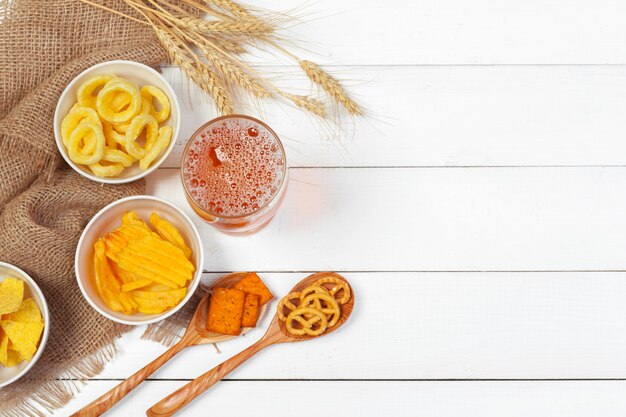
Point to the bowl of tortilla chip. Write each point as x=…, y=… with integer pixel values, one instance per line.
x=24, y=323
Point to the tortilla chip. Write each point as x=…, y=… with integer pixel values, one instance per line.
x=251, y=310
x=8, y=356
x=11, y=295
x=13, y=358
x=28, y=311
x=24, y=337
x=225, y=311
x=251, y=283
x=4, y=347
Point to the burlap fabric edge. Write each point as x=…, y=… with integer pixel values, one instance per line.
x=43, y=204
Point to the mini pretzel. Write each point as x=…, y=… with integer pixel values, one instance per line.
x=76, y=115
x=331, y=309
x=165, y=135
x=85, y=96
x=313, y=326
x=79, y=141
x=286, y=302
x=339, y=285
x=107, y=94
x=149, y=92
x=134, y=130
x=313, y=289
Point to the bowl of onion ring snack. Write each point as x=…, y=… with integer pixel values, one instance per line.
x=117, y=122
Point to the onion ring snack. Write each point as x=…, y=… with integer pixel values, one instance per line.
x=139, y=123
x=76, y=115
x=106, y=95
x=149, y=92
x=84, y=95
x=79, y=141
x=104, y=128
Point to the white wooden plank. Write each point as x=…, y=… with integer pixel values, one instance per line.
x=435, y=326
x=424, y=399
x=453, y=116
x=429, y=220
x=461, y=32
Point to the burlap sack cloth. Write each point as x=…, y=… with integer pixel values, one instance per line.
x=44, y=205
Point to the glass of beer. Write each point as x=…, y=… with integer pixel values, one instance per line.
x=234, y=173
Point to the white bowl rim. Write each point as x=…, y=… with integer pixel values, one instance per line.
x=46, y=320
x=192, y=286
x=57, y=124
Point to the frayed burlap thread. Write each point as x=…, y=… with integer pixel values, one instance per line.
x=44, y=205
x=170, y=331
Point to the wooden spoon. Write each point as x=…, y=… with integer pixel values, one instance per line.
x=276, y=333
x=195, y=334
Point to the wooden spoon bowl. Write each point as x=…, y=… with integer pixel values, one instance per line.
x=346, y=309
x=276, y=333
x=195, y=334
x=200, y=317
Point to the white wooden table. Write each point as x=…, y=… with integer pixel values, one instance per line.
x=480, y=214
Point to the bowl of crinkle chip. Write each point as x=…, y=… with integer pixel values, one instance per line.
x=24, y=323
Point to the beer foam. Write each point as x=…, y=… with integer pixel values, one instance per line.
x=233, y=167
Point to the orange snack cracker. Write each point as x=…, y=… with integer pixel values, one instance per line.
x=226, y=311
x=251, y=310
x=252, y=284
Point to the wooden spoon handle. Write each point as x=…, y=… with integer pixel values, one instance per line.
x=178, y=399
x=108, y=400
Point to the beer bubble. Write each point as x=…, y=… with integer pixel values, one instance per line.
x=248, y=175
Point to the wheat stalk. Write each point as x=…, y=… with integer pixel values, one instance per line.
x=227, y=45
x=214, y=64
x=310, y=104
x=215, y=27
x=331, y=85
x=234, y=72
x=237, y=10
x=197, y=72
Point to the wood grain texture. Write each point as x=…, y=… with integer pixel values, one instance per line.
x=429, y=32
x=449, y=83
x=275, y=334
x=430, y=220
x=451, y=116
x=380, y=398
x=453, y=326
x=195, y=334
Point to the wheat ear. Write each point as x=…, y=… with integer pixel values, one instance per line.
x=331, y=85
x=234, y=73
x=233, y=8
x=253, y=28
x=226, y=44
x=196, y=71
x=310, y=104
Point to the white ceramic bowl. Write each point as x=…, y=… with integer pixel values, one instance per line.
x=110, y=218
x=137, y=73
x=31, y=289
